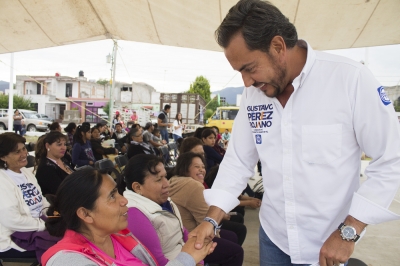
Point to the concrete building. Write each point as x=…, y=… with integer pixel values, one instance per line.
x=51, y=95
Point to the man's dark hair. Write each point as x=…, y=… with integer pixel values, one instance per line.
x=259, y=22
x=166, y=107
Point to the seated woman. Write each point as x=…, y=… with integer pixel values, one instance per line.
x=137, y=146
x=98, y=150
x=186, y=191
x=21, y=199
x=91, y=216
x=212, y=157
x=82, y=153
x=51, y=167
x=152, y=217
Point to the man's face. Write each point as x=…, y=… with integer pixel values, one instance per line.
x=118, y=128
x=265, y=71
x=167, y=111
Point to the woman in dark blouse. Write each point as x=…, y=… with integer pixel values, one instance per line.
x=51, y=167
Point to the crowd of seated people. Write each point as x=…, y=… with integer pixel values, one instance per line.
x=160, y=212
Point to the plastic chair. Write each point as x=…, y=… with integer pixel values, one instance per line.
x=108, y=165
x=121, y=161
x=83, y=167
x=173, y=149
x=356, y=262
x=33, y=261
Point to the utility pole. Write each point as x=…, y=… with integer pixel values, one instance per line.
x=11, y=95
x=113, y=66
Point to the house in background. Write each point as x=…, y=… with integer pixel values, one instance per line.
x=51, y=95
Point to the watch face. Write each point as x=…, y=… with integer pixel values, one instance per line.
x=348, y=232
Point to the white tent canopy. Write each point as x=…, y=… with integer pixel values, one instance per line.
x=326, y=24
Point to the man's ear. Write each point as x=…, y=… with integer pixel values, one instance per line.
x=278, y=46
x=84, y=215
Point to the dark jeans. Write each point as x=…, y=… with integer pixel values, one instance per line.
x=13, y=253
x=227, y=252
x=238, y=228
x=18, y=128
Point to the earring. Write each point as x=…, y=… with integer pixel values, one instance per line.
x=48, y=149
x=5, y=165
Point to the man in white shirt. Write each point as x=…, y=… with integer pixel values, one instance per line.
x=307, y=115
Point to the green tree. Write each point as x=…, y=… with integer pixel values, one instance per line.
x=213, y=104
x=201, y=85
x=19, y=102
x=106, y=108
x=103, y=82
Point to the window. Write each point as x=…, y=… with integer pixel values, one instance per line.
x=38, y=88
x=68, y=90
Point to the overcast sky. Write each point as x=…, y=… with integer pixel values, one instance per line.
x=166, y=68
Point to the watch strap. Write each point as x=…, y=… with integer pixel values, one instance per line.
x=356, y=236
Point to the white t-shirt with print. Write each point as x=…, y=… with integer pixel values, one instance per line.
x=177, y=131
x=31, y=195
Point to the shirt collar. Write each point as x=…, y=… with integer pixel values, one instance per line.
x=299, y=80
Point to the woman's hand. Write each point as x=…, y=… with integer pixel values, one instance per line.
x=255, y=203
x=198, y=254
x=90, y=162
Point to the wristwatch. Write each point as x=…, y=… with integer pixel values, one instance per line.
x=348, y=232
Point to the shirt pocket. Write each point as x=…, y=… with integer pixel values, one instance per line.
x=321, y=144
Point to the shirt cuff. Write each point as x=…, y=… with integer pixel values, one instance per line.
x=221, y=199
x=369, y=212
x=184, y=258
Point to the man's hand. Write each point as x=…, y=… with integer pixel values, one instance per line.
x=335, y=250
x=203, y=232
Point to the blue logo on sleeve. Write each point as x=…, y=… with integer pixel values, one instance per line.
x=383, y=96
x=258, y=139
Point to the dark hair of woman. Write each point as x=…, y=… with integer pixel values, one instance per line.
x=184, y=161
x=211, y=175
x=216, y=128
x=94, y=128
x=188, y=144
x=207, y=132
x=179, y=120
x=259, y=22
x=49, y=138
x=9, y=143
x=54, y=126
x=71, y=126
x=79, y=189
x=78, y=138
x=199, y=131
x=139, y=166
